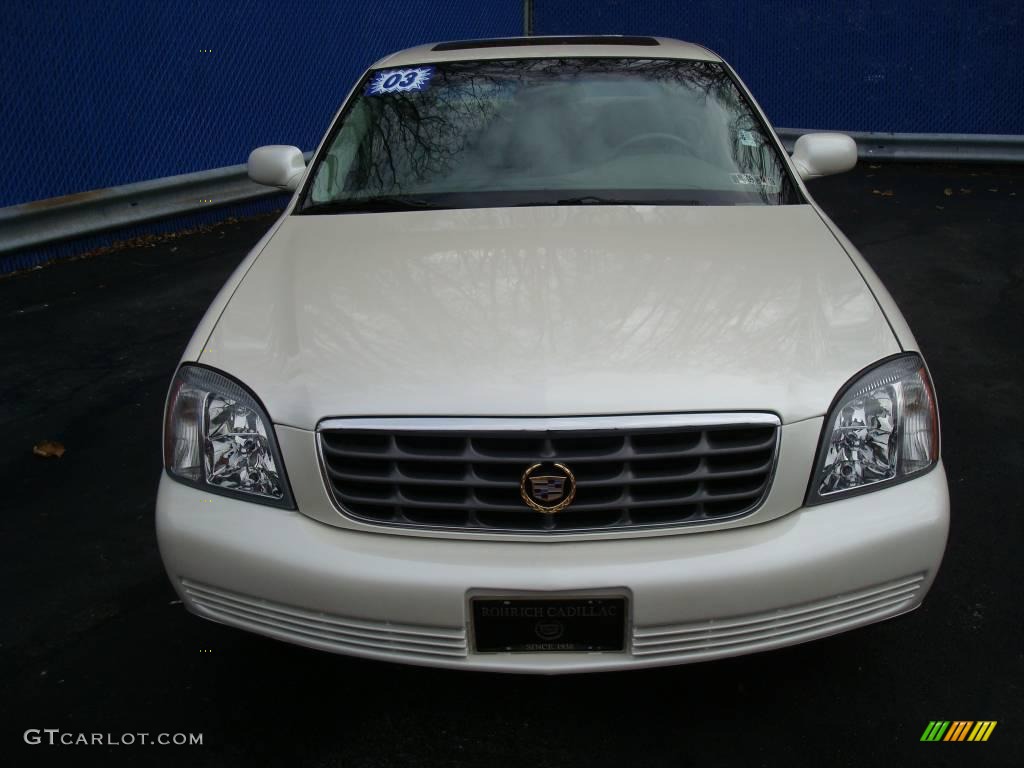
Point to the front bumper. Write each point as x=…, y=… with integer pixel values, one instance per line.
x=692, y=596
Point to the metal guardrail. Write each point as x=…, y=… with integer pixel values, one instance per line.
x=927, y=147
x=57, y=219
x=45, y=222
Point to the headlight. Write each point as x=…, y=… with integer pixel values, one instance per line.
x=218, y=437
x=882, y=429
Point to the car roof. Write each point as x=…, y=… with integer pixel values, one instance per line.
x=574, y=46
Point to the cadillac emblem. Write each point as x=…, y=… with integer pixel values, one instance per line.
x=548, y=488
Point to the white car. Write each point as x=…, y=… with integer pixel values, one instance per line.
x=552, y=365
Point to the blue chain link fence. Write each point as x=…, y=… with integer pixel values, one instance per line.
x=103, y=92
x=911, y=66
x=97, y=93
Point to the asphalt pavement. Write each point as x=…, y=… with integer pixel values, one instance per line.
x=92, y=639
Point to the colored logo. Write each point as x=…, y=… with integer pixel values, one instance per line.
x=547, y=488
x=959, y=730
x=550, y=492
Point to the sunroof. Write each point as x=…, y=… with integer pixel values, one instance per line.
x=510, y=42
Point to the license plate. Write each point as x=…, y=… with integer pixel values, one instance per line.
x=526, y=625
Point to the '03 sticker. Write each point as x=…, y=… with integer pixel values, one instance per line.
x=400, y=81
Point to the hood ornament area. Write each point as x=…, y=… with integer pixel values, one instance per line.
x=547, y=488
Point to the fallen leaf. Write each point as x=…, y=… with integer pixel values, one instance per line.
x=48, y=448
x=886, y=193
x=948, y=192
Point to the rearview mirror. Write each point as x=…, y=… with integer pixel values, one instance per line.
x=276, y=165
x=822, y=154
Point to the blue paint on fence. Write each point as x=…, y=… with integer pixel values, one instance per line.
x=103, y=92
x=98, y=93
x=928, y=66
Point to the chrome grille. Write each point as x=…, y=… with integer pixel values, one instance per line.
x=631, y=472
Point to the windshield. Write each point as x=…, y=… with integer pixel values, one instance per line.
x=547, y=132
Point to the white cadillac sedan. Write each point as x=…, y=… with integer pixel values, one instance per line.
x=552, y=365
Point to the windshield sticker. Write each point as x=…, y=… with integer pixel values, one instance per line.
x=749, y=178
x=400, y=81
x=748, y=139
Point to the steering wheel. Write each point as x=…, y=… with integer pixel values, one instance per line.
x=665, y=138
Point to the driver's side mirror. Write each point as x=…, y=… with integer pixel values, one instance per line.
x=276, y=165
x=822, y=154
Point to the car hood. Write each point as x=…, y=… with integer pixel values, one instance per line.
x=550, y=311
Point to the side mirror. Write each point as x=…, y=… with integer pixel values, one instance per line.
x=822, y=154
x=276, y=165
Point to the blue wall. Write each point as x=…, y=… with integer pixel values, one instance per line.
x=102, y=92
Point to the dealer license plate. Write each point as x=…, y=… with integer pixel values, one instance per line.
x=527, y=625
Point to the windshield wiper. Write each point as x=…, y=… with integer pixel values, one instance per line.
x=591, y=200
x=597, y=200
x=386, y=203
x=381, y=204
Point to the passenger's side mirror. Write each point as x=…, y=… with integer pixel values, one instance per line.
x=276, y=165
x=822, y=154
